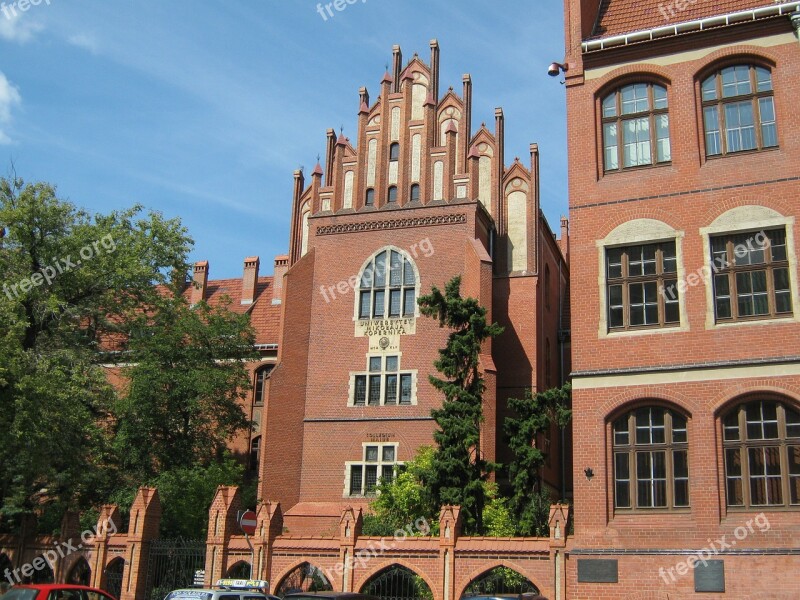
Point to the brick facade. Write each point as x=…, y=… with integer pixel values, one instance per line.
x=701, y=368
x=415, y=181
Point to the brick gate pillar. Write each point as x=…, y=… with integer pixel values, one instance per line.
x=269, y=519
x=221, y=526
x=449, y=531
x=559, y=521
x=143, y=529
x=349, y=530
x=107, y=524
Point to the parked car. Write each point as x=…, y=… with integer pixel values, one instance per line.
x=55, y=591
x=328, y=596
x=225, y=589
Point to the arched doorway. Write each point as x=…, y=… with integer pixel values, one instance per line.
x=80, y=573
x=500, y=580
x=304, y=578
x=240, y=570
x=43, y=575
x=397, y=583
x=112, y=577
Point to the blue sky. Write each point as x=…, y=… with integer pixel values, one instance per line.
x=202, y=109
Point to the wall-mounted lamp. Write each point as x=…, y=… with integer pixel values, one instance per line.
x=555, y=68
x=589, y=473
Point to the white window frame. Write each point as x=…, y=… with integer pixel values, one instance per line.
x=369, y=261
x=348, y=465
x=743, y=219
x=634, y=233
x=351, y=397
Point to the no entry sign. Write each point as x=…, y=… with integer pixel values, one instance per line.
x=247, y=522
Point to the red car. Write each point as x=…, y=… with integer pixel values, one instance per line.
x=55, y=591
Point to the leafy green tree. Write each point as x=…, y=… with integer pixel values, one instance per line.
x=182, y=395
x=459, y=470
x=404, y=499
x=497, y=518
x=186, y=494
x=69, y=280
x=536, y=413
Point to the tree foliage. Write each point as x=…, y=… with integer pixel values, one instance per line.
x=73, y=286
x=536, y=413
x=459, y=470
x=181, y=393
x=404, y=499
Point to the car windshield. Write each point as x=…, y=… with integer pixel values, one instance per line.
x=20, y=594
x=187, y=595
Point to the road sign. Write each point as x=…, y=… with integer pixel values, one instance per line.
x=247, y=522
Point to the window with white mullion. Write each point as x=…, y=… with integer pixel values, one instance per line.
x=383, y=384
x=388, y=287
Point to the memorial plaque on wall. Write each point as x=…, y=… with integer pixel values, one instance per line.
x=709, y=577
x=595, y=570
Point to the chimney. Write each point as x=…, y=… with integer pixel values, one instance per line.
x=281, y=267
x=200, y=280
x=250, y=279
x=564, y=241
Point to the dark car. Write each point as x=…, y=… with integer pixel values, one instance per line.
x=55, y=591
x=328, y=596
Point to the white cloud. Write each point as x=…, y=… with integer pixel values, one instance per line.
x=9, y=97
x=16, y=26
x=81, y=40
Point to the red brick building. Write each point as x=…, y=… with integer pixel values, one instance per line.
x=415, y=198
x=684, y=171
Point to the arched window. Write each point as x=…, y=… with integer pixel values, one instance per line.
x=260, y=389
x=369, y=200
x=388, y=287
x=255, y=453
x=761, y=439
x=394, y=152
x=547, y=287
x=392, y=196
x=651, y=468
x=635, y=126
x=738, y=110
x=414, y=192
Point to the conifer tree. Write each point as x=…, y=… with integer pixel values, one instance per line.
x=459, y=470
x=536, y=413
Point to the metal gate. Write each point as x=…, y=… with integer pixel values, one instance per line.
x=398, y=583
x=112, y=578
x=500, y=580
x=171, y=564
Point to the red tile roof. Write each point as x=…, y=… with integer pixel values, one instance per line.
x=264, y=315
x=624, y=16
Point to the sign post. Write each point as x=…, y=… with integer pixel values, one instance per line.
x=248, y=523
